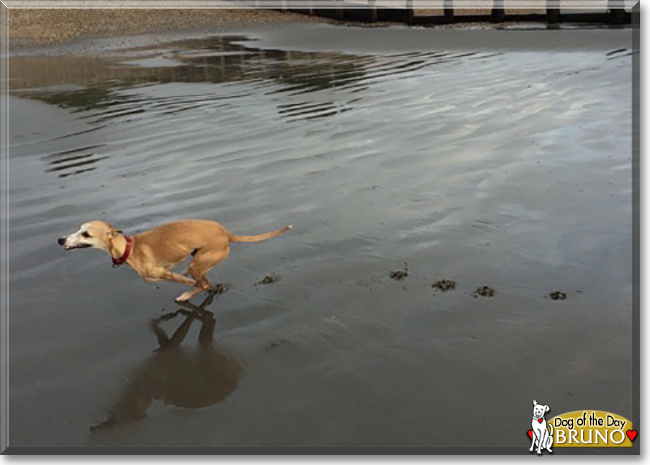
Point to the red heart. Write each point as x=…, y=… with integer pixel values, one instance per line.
x=540, y=420
x=530, y=433
x=631, y=433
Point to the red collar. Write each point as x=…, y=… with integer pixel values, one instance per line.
x=127, y=251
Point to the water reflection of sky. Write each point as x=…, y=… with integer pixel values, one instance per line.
x=307, y=86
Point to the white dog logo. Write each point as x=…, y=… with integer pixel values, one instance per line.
x=540, y=436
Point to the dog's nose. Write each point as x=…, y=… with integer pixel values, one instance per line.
x=61, y=240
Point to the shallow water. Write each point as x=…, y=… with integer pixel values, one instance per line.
x=487, y=165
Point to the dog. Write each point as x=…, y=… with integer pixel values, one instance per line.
x=541, y=436
x=153, y=253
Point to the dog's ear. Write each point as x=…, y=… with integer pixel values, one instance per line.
x=534, y=402
x=547, y=408
x=113, y=231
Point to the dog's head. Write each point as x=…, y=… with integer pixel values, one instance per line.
x=539, y=410
x=95, y=234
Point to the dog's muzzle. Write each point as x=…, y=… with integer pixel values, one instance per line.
x=61, y=241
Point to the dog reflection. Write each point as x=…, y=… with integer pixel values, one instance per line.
x=176, y=375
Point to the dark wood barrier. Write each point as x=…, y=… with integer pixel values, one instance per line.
x=369, y=12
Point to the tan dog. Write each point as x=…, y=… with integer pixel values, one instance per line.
x=153, y=253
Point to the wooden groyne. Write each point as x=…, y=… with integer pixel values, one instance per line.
x=370, y=12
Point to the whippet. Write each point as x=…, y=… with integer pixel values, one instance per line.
x=153, y=253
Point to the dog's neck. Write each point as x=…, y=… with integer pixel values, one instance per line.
x=116, y=247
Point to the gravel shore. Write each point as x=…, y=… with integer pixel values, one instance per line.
x=51, y=26
x=38, y=27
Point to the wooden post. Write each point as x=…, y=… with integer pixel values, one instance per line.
x=373, y=10
x=553, y=11
x=616, y=15
x=448, y=6
x=409, y=12
x=498, y=12
x=340, y=12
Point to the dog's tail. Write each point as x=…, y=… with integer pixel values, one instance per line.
x=551, y=433
x=261, y=237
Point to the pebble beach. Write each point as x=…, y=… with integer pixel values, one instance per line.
x=42, y=27
x=38, y=27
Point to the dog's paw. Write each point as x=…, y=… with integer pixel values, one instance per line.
x=184, y=297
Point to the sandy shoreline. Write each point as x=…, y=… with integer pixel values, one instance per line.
x=45, y=27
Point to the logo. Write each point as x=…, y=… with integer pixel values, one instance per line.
x=540, y=435
x=582, y=428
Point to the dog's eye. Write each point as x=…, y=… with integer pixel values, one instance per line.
x=85, y=234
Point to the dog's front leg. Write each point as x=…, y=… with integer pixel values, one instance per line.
x=171, y=276
x=161, y=274
x=548, y=440
x=542, y=439
x=185, y=296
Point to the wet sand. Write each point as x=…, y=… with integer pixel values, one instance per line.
x=401, y=171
